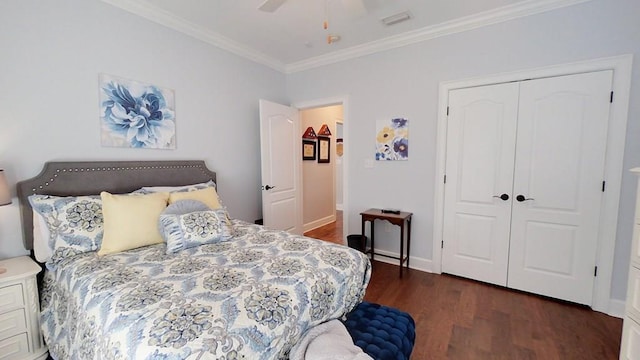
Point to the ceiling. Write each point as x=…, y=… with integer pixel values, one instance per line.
x=292, y=38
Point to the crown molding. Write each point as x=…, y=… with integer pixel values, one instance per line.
x=502, y=14
x=165, y=18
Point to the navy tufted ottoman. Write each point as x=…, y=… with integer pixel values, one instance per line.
x=381, y=331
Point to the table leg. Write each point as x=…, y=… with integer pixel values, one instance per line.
x=408, y=240
x=362, y=234
x=401, y=246
x=372, y=237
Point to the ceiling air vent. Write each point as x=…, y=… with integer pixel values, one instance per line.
x=397, y=18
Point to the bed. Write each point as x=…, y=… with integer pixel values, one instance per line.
x=252, y=293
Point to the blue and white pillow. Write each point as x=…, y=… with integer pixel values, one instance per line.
x=179, y=208
x=75, y=223
x=184, y=231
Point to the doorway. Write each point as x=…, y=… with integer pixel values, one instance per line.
x=322, y=179
x=281, y=136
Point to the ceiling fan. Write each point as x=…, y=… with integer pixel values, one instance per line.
x=352, y=7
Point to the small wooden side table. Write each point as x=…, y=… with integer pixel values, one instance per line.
x=396, y=219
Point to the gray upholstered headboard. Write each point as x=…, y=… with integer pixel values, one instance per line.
x=92, y=177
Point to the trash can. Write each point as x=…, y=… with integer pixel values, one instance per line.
x=357, y=241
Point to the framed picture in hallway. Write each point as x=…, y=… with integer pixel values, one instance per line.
x=308, y=149
x=324, y=144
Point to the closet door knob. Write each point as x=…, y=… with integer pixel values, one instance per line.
x=504, y=197
x=521, y=198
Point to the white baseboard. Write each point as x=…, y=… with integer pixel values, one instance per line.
x=415, y=263
x=318, y=223
x=616, y=308
x=339, y=207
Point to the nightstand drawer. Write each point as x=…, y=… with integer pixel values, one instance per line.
x=15, y=347
x=633, y=298
x=12, y=323
x=11, y=298
x=635, y=248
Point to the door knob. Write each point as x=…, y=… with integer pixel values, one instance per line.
x=521, y=198
x=504, y=197
x=268, y=187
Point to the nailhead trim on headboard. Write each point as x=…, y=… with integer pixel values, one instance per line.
x=163, y=167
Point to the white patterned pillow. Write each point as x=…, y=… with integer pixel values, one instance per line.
x=179, y=208
x=205, y=192
x=170, y=189
x=75, y=223
x=184, y=231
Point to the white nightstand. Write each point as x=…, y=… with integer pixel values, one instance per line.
x=20, y=336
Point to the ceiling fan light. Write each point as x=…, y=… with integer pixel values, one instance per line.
x=332, y=38
x=397, y=18
x=271, y=5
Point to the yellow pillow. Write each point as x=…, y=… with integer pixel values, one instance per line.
x=209, y=196
x=131, y=221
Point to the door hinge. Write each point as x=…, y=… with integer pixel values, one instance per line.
x=445, y=178
x=447, y=111
x=611, y=98
x=603, y=185
x=442, y=244
x=595, y=271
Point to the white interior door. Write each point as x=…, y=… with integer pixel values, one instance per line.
x=560, y=157
x=481, y=137
x=280, y=141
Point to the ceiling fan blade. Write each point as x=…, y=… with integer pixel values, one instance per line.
x=354, y=8
x=271, y=5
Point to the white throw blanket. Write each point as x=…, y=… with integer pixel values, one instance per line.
x=327, y=341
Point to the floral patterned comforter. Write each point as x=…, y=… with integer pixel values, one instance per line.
x=252, y=297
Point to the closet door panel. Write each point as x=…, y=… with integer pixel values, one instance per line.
x=560, y=154
x=480, y=141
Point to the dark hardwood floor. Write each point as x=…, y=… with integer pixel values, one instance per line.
x=458, y=318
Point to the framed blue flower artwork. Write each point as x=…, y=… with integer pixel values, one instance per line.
x=392, y=139
x=136, y=115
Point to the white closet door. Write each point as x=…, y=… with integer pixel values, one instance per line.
x=481, y=134
x=560, y=156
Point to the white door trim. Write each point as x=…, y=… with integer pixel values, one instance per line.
x=344, y=101
x=621, y=66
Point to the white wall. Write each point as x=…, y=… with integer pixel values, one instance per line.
x=52, y=53
x=404, y=83
x=318, y=179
